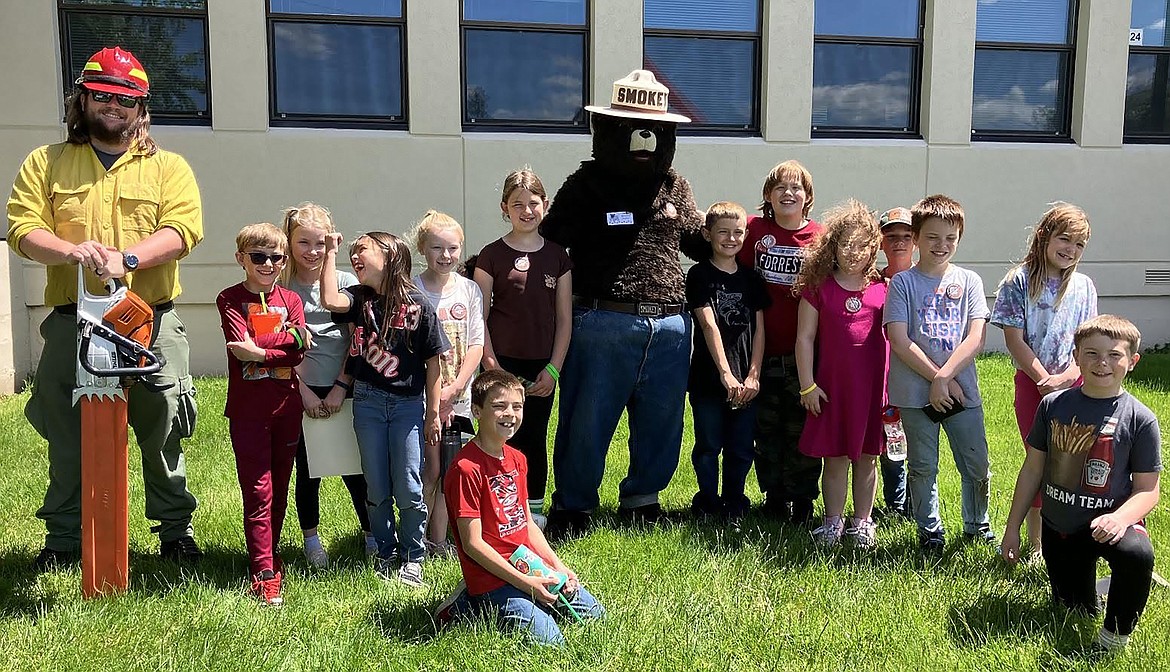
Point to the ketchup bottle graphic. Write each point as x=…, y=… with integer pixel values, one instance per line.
x=1099, y=463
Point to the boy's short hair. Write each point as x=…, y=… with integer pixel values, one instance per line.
x=938, y=205
x=792, y=170
x=724, y=210
x=489, y=381
x=1112, y=326
x=260, y=235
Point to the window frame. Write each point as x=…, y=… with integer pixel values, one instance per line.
x=756, y=37
x=67, y=7
x=517, y=125
x=360, y=121
x=1069, y=48
x=918, y=47
x=1162, y=52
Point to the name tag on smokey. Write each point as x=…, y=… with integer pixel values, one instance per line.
x=619, y=218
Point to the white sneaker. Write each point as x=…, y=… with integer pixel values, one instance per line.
x=829, y=533
x=316, y=555
x=411, y=573
x=862, y=532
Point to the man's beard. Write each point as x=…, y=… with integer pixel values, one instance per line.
x=100, y=130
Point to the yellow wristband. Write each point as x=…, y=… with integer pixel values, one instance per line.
x=808, y=389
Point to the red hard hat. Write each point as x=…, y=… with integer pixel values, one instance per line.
x=114, y=70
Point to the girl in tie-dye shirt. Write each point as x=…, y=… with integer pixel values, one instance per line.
x=1039, y=305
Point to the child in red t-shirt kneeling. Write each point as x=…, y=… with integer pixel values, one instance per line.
x=487, y=497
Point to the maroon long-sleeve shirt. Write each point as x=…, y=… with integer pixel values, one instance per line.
x=268, y=388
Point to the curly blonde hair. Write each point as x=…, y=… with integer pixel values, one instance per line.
x=844, y=222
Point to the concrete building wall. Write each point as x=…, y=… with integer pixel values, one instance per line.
x=386, y=179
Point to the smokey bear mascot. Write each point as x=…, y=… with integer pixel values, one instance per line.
x=624, y=217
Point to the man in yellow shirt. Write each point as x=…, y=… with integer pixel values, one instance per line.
x=110, y=200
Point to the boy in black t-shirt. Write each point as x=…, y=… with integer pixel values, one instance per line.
x=1095, y=452
x=728, y=302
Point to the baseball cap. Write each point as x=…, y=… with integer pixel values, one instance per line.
x=895, y=216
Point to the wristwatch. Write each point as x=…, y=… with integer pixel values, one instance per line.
x=130, y=261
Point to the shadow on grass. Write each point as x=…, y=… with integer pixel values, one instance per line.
x=404, y=623
x=1022, y=614
x=19, y=596
x=220, y=568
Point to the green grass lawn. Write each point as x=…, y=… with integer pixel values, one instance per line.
x=684, y=596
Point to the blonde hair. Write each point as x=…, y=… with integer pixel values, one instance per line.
x=724, y=210
x=787, y=170
x=261, y=235
x=433, y=221
x=944, y=207
x=841, y=223
x=310, y=216
x=1112, y=326
x=1060, y=218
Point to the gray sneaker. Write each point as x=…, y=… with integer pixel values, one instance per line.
x=862, y=532
x=316, y=556
x=386, y=568
x=829, y=533
x=411, y=574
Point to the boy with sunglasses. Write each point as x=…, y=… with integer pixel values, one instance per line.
x=110, y=200
x=264, y=326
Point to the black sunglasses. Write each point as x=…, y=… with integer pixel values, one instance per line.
x=129, y=102
x=259, y=258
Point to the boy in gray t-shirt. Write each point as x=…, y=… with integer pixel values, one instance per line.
x=936, y=316
x=1094, y=454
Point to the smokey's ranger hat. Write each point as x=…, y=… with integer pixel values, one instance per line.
x=639, y=96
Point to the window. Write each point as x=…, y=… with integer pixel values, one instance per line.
x=1023, y=69
x=337, y=63
x=169, y=38
x=1147, y=94
x=867, y=65
x=707, y=52
x=525, y=64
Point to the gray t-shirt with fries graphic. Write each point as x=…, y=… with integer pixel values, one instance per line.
x=1093, y=446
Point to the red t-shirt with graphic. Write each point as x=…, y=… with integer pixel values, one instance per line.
x=493, y=489
x=777, y=254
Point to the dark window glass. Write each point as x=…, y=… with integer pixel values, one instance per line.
x=1020, y=91
x=172, y=50
x=385, y=8
x=686, y=65
x=166, y=4
x=863, y=86
x=1150, y=16
x=1147, y=89
x=558, y=12
x=722, y=15
x=867, y=18
x=1023, y=21
x=707, y=52
x=866, y=67
x=524, y=76
x=337, y=70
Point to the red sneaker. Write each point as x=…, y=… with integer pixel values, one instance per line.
x=266, y=587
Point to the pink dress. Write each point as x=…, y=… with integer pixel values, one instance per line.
x=851, y=357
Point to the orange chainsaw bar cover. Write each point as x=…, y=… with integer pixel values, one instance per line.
x=104, y=497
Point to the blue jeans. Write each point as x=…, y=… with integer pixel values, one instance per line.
x=620, y=362
x=968, y=440
x=388, y=427
x=514, y=609
x=894, y=484
x=719, y=428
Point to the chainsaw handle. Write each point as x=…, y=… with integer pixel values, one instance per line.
x=89, y=329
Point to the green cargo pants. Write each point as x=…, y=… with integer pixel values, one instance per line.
x=161, y=411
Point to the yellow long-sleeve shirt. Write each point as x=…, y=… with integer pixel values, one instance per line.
x=64, y=189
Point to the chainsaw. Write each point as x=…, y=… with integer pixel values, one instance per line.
x=114, y=335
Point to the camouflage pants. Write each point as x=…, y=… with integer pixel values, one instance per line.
x=784, y=473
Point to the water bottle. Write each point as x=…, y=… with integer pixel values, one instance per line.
x=451, y=442
x=895, y=435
